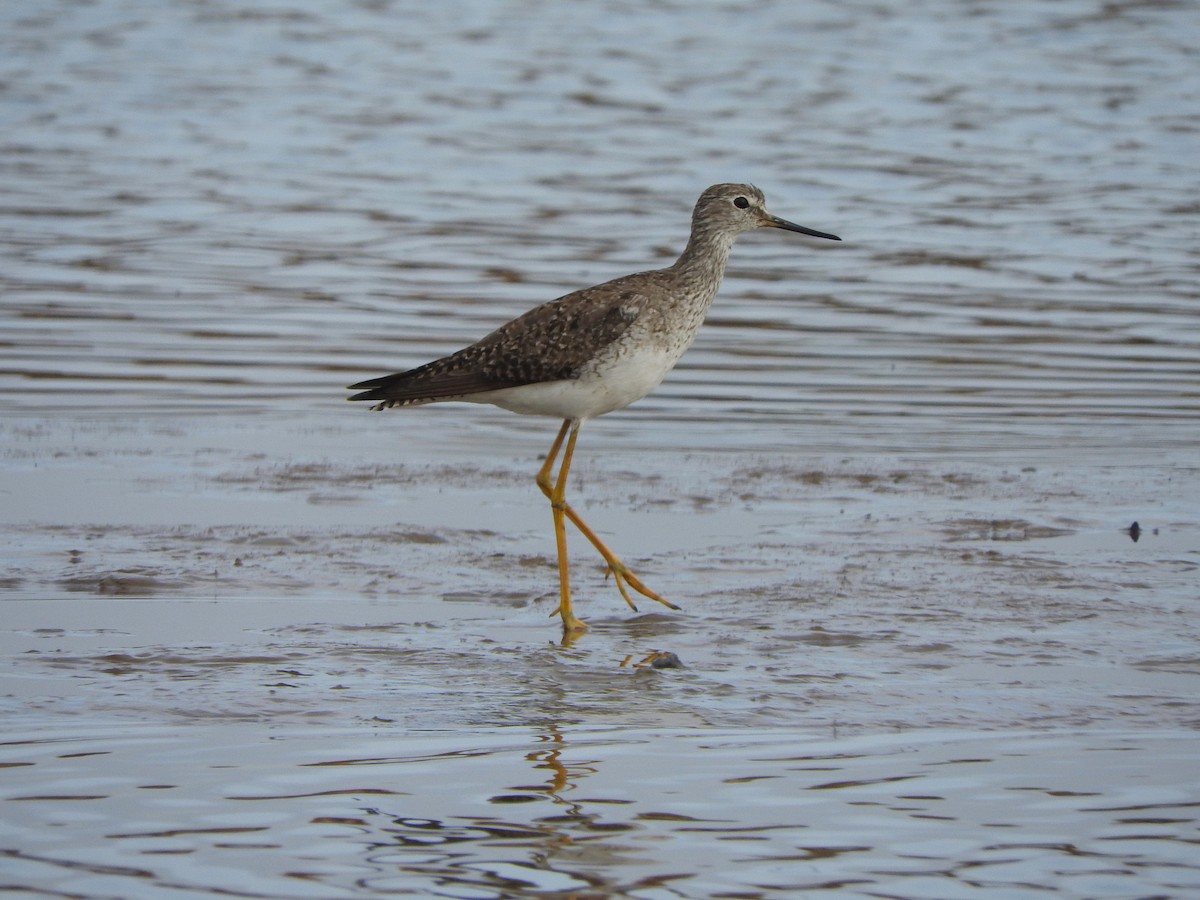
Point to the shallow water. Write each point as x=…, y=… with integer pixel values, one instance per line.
x=635, y=812
x=356, y=189
x=262, y=643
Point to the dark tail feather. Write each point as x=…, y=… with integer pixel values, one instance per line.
x=422, y=385
x=375, y=388
x=389, y=390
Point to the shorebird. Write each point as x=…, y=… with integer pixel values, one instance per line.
x=591, y=352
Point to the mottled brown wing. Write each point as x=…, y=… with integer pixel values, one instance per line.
x=551, y=342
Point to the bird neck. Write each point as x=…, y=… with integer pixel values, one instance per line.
x=702, y=263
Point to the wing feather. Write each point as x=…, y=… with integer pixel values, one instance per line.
x=551, y=342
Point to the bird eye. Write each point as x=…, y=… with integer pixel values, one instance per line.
x=741, y=202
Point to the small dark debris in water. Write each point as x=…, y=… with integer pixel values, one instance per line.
x=1134, y=531
x=655, y=659
x=666, y=661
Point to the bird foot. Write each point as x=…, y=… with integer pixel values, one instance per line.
x=572, y=625
x=623, y=576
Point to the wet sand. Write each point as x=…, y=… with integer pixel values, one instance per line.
x=848, y=593
x=230, y=668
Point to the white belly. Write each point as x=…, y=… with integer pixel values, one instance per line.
x=608, y=385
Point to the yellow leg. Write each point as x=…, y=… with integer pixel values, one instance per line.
x=621, y=573
x=556, y=493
